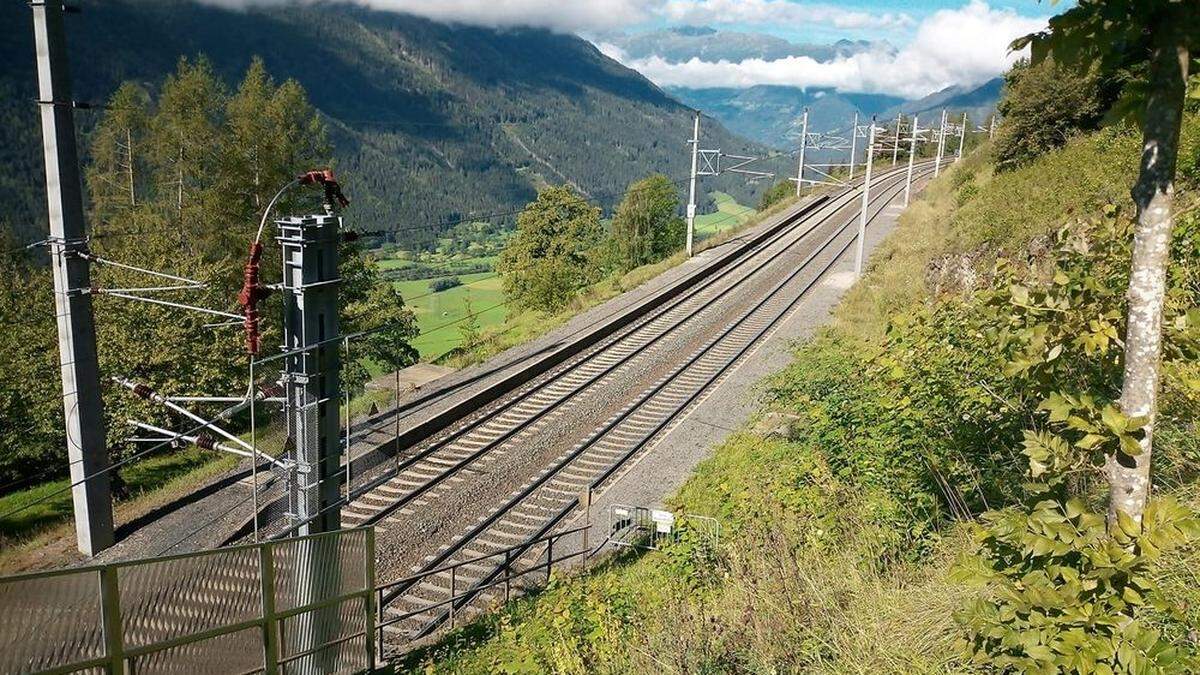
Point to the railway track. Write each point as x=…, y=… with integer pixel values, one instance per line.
x=492, y=439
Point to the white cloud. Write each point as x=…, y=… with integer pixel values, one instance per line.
x=775, y=12
x=967, y=46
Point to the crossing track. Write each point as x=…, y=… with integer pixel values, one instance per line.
x=444, y=482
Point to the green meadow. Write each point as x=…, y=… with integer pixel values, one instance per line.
x=441, y=315
x=729, y=215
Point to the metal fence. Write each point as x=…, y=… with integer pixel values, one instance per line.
x=513, y=570
x=301, y=605
x=641, y=527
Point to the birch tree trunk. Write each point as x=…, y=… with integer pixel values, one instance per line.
x=1129, y=477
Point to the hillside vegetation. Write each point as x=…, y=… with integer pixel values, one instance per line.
x=851, y=509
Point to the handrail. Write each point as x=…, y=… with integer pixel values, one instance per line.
x=447, y=567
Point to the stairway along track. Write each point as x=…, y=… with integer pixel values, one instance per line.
x=455, y=494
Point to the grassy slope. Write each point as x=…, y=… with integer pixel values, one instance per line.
x=802, y=584
x=438, y=314
x=729, y=214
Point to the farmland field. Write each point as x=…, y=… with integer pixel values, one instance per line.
x=439, y=314
x=730, y=214
x=436, y=312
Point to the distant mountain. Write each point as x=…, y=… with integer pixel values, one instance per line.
x=978, y=102
x=682, y=44
x=431, y=122
x=771, y=114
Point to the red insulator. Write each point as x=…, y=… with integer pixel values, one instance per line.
x=251, y=294
x=333, y=190
x=142, y=390
x=204, y=441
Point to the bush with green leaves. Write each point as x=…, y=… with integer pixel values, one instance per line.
x=1061, y=591
x=444, y=284
x=646, y=227
x=554, y=252
x=775, y=194
x=1063, y=594
x=1044, y=106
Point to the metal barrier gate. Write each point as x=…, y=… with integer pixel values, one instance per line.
x=301, y=605
x=641, y=527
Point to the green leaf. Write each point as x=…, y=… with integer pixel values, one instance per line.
x=1130, y=445
x=1114, y=419
x=1020, y=294
x=1127, y=524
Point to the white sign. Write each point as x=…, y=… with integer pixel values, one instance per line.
x=663, y=521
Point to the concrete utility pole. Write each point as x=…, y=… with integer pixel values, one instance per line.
x=962, y=135
x=91, y=493
x=912, y=155
x=691, y=207
x=896, y=142
x=803, y=146
x=853, y=144
x=937, y=167
x=866, y=201
x=992, y=127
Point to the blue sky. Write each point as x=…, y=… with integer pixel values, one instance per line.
x=918, y=10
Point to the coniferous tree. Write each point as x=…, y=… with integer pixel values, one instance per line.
x=116, y=175
x=225, y=153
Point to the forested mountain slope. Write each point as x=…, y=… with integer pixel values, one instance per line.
x=429, y=122
x=978, y=102
x=772, y=114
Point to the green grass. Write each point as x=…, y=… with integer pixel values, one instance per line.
x=140, y=478
x=435, y=310
x=437, y=313
x=437, y=261
x=729, y=215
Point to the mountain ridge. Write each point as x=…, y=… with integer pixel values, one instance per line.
x=414, y=107
x=979, y=102
x=771, y=114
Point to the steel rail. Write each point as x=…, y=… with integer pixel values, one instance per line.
x=520, y=394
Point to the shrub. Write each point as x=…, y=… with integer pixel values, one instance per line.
x=444, y=284
x=1043, y=107
x=775, y=194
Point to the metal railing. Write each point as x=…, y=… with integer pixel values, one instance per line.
x=302, y=605
x=506, y=573
x=632, y=526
